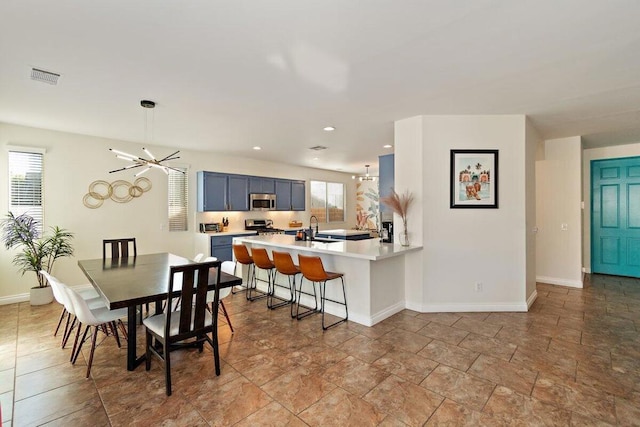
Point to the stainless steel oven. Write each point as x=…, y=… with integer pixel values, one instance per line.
x=262, y=202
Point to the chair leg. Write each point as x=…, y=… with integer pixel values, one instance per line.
x=292, y=286
x=252, y=285
x=114, y=329
x=315, y=298
x=68, y=329
x=226, y=315
x=214, y=344
x=74, y=356
x=64, y=311
x=167, y=367
x=323, y=292
x=147, y=361
x=93, y=349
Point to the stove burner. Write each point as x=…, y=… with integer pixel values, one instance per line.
x=262, y=226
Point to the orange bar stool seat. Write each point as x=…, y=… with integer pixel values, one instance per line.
x=313, y=270
x=285, y=266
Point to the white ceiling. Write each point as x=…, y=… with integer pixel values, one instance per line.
x=229, y=75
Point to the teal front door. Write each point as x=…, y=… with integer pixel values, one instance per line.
x=615, y=216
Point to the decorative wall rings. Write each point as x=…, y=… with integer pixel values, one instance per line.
x=96, y=195
x=119, y=191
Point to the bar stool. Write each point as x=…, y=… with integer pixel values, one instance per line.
x=261, y=260
x=241, y=253
x=313, y=270
x=284, y=265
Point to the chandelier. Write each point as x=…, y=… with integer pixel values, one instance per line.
x=366, y=176
x=138, y=161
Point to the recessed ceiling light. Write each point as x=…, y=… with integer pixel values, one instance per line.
x=387, y=146
x=329, y=128
x=316, y=158
x=257, y=148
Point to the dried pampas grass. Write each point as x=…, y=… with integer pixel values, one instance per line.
x=399, y=204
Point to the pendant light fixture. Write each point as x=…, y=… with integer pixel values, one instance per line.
x=152, y=162
x=366, y=176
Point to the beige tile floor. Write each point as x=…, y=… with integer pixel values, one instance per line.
x=574, y=359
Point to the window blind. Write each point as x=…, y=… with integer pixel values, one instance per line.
x=178, y=201
x=25, y=185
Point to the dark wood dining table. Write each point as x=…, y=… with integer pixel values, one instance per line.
x=130, y=282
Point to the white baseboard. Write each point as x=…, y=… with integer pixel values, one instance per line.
x=532, y=298
x=466, y=307
x=12, y=299
x=586, y=270
x=560, y=281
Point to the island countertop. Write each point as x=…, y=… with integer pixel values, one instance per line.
x=370, y=249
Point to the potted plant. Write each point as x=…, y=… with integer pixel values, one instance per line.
x=400, y=205
x=36, y=252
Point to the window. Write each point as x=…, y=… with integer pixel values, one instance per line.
x=178, y=201
x=327, y=201
x=25, y=183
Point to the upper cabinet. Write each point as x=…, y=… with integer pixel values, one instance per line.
x=261, y=185
x=222, y=192
x=386, y=183
x=298, y=196
x=283, y=195
x=290, y=195
x=230, y=192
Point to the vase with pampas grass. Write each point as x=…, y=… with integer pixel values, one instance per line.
x=400, y=205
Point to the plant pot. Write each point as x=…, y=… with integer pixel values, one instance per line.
x=40, y=296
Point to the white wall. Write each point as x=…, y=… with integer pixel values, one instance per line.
x=73, y=161
x=466, y=246
x=532, y=146
x=618, y=151
x=558, y=200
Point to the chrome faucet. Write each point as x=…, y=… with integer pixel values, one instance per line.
x=311, y=233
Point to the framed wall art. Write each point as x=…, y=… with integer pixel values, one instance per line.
x=474, y=179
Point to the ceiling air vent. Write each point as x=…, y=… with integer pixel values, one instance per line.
x=44, y=76
x=318, y=148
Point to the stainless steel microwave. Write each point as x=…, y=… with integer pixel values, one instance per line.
x=262, y=202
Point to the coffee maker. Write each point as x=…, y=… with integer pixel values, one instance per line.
x=387, y=231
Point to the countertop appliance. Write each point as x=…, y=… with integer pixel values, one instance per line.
x=262, y=202
x=262, y=226
x=387, y=231
x=210, y=227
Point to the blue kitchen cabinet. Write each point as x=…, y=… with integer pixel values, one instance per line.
x=212, y=191
x=222, y=246
x=260, y=185
x=283, y=195
x=238, y=195
x=386, y=173
x=219, y=192
x=298, y=196
x=290, y=195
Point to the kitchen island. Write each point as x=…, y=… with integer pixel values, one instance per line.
x=373, y=272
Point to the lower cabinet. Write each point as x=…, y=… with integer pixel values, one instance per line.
x=221, y=246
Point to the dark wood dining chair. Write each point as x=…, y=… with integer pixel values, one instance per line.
x=119, y=248
x=190, y=324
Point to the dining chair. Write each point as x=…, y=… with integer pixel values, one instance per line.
x=101, y=319
x=171, y=329
x=60, y=295
x=313, y=270
x=119, y=248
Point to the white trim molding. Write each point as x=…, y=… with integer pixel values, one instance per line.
x=12, y=299
x=532, y=298
x=559, y=281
